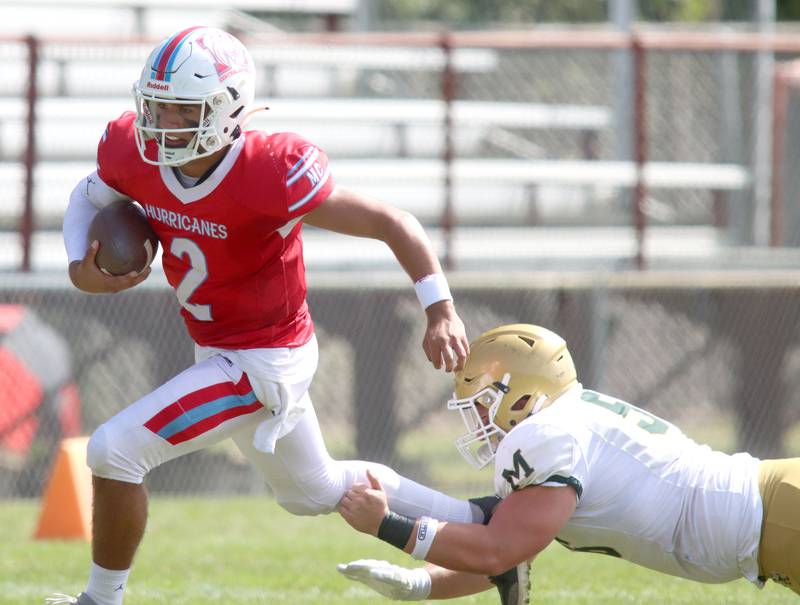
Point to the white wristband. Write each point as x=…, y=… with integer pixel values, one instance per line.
x=426, y=532
x=431, y=289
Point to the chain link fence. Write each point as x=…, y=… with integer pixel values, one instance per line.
x=538, y=126
x=717, y=356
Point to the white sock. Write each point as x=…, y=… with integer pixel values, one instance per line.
x=410, y=498
x=107, y=586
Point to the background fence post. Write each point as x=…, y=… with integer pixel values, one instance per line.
x=639, y=145
x=448, y=95
x=29, y=160
x=780, y=100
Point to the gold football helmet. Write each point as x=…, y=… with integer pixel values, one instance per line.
x=512, y=372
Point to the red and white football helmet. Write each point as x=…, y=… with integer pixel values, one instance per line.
x=197, y=66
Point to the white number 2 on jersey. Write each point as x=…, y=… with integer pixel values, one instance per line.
x=196, y=275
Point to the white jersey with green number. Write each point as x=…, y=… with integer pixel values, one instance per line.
x=646, y=492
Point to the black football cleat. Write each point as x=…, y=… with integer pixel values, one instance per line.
x=514, y=585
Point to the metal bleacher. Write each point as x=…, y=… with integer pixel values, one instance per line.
x=389, y=147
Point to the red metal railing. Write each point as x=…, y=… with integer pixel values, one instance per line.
x=638, y=43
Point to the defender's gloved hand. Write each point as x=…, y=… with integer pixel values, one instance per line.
x=392, y=581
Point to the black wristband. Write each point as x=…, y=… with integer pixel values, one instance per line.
x=396, y=529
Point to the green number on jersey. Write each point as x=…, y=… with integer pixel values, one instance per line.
x=644, y=420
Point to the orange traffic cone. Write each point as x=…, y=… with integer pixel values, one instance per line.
x=67, y=505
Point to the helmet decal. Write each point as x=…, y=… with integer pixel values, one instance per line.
x=162, y=66
x=227, y=61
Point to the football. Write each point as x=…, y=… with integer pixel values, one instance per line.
x=127, y=241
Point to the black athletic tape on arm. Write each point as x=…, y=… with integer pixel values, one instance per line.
x=396, y=529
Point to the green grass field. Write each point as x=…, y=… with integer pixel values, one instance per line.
x=249, y=551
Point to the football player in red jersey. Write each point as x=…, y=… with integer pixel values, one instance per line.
x=228, y=205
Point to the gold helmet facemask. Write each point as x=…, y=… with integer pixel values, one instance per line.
x=512, y=372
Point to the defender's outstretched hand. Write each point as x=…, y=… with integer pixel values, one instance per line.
x=392, y=581
x=365, y=506
x=445, y=342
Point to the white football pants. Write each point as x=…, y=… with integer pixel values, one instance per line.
x=213, y=400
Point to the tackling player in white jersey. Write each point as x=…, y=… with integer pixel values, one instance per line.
x=591, y=472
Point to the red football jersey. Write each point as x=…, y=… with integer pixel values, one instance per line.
x=231, y=244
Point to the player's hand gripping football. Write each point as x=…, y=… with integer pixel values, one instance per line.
x=87, y=276
x=445, y=341
x=364, y=506
x=392, y=581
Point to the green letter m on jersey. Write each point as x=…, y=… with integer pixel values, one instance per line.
x=520, y=466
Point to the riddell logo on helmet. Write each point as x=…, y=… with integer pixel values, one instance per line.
x=157, y=86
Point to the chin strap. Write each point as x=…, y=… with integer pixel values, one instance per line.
x=542, y=399
x=249, y=115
